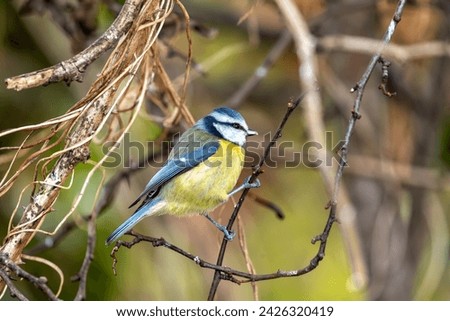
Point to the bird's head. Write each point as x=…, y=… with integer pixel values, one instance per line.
x=227, y=124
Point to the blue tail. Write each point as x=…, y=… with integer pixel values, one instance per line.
x=144, y=211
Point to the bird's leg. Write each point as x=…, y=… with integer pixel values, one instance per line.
x=246, y=184
x=229, y=235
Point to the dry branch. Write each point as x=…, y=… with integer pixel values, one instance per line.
x=7, y=264
x=73, y=68
x=274, y=54
x=399, y=53
x=93, y=112
x=359, y=88
x=42, y=201
x=257, y=170
x=398, y=172
x=313, y=111
x=226, y=273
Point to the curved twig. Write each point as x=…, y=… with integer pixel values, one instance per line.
x=38, y=282
x=97, y=106
x=73, y=68
x=292, y=105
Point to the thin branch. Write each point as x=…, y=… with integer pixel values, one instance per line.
x=92, y=233
x=235, y=276
x=82, y=274
x=38, y=282
x=108, y=194
x=292, y=105
x=396, y=52
x=78, y=20
x=359, y=88
x=73, y=68
x=97, y=107
x=224, y=272
x=15, y=292
x=400, y=173
x=342, y=98
x=268, y=204
x=261, y=71
x=248, y=261
x=385, y=77
x=313, y=110
x=51, y=265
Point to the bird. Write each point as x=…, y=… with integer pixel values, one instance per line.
x=200, y=173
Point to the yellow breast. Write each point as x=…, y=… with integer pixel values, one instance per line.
x=207, y=185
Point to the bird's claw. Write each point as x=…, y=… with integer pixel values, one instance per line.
x=254, y=184
x=229, y=235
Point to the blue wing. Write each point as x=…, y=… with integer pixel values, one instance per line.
x=176, y=166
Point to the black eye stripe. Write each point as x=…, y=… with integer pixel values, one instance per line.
x=234, y=125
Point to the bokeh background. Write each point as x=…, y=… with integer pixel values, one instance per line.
x=397, y=177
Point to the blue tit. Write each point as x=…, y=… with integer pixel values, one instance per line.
x=200, y=172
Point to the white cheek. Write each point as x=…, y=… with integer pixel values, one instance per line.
x=236, y=136
x=241, y=138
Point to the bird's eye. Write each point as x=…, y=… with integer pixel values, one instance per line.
x=237, y=126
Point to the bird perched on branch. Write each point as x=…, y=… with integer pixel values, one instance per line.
x=200, y=173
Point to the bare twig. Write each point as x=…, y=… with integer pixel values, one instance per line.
x=268, y=204
x=274, y=54
x=78, y=20
x=38, y=282
x=398, y=53
x=385, y=77
x=95, y=109
x=108, y=193
x=402, y=173
x=225, y=273
x=50, y=265
x=313, y=110
x=292, y=105
x=248, y=261
x=15, y=292
x=89, y=256
x=342, y=98
x=235, y=276
x=73, y=68
x=42, y=201
x=359, y=88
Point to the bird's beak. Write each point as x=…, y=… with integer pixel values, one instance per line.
x=251, y=132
